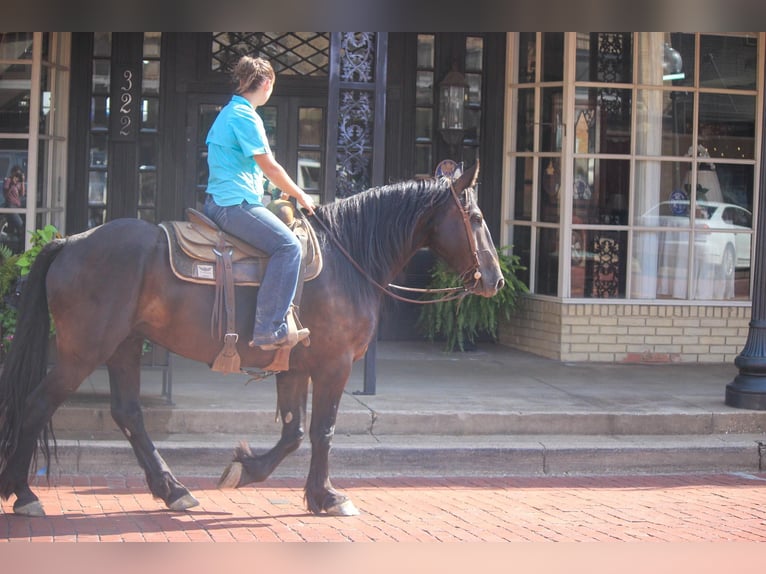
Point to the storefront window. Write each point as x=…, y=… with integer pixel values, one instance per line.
x=700, y=206
x=658, y=168
x=149, y=137
x=32, y=133
x=99, y=126
x=15, y=92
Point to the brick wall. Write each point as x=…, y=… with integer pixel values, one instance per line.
x=635, y=333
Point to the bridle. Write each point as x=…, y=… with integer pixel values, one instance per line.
x=450, y=293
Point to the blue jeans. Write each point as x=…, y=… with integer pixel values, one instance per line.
x=259, y=227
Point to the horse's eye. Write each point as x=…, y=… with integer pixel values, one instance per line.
x=477, y=218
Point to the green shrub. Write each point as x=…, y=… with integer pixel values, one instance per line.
x=461, y=321
x=12, y=267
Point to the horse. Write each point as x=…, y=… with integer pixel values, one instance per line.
x=110, y=288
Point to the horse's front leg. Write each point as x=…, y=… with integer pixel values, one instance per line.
x=246, y=468
x=327, y=390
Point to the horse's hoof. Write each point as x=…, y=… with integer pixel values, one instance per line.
x=345, y=508
x=231, y=476
x=185, y=502
x=33, y=508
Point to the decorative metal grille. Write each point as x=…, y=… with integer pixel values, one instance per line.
x=613, y=50
x=355, y=127
x=606, y=267
x=356, y=119
x=292, y=53
x=357, y=57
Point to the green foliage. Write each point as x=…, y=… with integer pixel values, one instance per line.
x=463, y=320
x=9, y=272
x=39, y=238
x=12, y=267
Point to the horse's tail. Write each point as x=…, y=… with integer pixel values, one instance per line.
x=26, y=363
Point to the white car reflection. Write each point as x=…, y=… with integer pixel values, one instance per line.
x=727, y=245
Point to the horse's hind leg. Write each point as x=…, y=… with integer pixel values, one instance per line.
x=292, y=394
x=125, y=381
x=54, y=388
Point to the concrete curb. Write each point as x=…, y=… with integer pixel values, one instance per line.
x=523, y=455
x=168, y=421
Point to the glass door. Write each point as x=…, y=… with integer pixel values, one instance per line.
x=124, y=128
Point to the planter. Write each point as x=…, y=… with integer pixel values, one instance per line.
x=462, y=323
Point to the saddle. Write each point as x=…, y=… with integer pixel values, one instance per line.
x=194, y=246
x=200, y=252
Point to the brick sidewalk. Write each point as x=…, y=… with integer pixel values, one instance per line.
x=673, y=508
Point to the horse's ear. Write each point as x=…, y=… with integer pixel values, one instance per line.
x=469, y=177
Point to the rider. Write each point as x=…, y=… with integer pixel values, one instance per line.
x=239, y=157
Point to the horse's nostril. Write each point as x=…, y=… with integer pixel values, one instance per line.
x=500, y=283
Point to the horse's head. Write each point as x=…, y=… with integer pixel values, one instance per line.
x=461, y=237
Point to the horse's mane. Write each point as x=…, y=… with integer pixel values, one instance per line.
x=377, y=227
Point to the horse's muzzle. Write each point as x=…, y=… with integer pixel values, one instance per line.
x=484, y=288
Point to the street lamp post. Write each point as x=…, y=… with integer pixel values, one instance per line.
x=748, y=389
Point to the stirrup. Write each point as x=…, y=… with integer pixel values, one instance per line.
x=289, y=341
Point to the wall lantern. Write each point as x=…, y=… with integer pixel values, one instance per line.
x=452, y=92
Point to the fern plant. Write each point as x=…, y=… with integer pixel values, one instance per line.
x=461, y=321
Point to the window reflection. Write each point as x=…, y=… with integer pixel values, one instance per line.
x=553, y=56
x=674, y=218
x=527, y=62
x=664, y=122
x=548, y=261
x=525, y=120
x=15, y=91
x=523, y=196
x=727, y=125
x=600, y=191
x=603, y=120
x=605, y=57
x=728, y=62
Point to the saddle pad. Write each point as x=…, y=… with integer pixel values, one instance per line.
x=192, y=256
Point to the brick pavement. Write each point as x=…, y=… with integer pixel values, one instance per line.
x=671, y=508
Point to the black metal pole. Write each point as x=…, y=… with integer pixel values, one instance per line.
x=370, y=376
x=748, y=389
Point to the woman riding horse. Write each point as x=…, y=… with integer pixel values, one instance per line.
x=110, y=288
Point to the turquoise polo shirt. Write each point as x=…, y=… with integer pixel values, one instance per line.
x=237, y=134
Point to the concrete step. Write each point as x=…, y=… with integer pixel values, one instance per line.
x=162, y=421
x=424, y=455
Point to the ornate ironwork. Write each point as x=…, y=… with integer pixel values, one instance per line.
x=355, y=128
x=356, y=118
x=606, y=267
x=357, y=57
x=613, y=50
x=292, y=53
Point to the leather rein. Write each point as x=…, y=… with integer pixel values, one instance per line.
x=451, y=293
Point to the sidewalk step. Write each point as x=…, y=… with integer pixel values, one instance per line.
x=167, y=420
x=418, y=455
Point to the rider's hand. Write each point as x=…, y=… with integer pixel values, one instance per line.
x=307, y=203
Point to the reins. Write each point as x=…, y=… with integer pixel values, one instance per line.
x=453, y=292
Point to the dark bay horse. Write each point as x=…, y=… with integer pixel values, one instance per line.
x=111, y=287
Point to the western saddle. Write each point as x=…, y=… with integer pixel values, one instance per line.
x=200, y=252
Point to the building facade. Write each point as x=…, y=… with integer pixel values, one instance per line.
x=596, y=149
x=631, y=171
